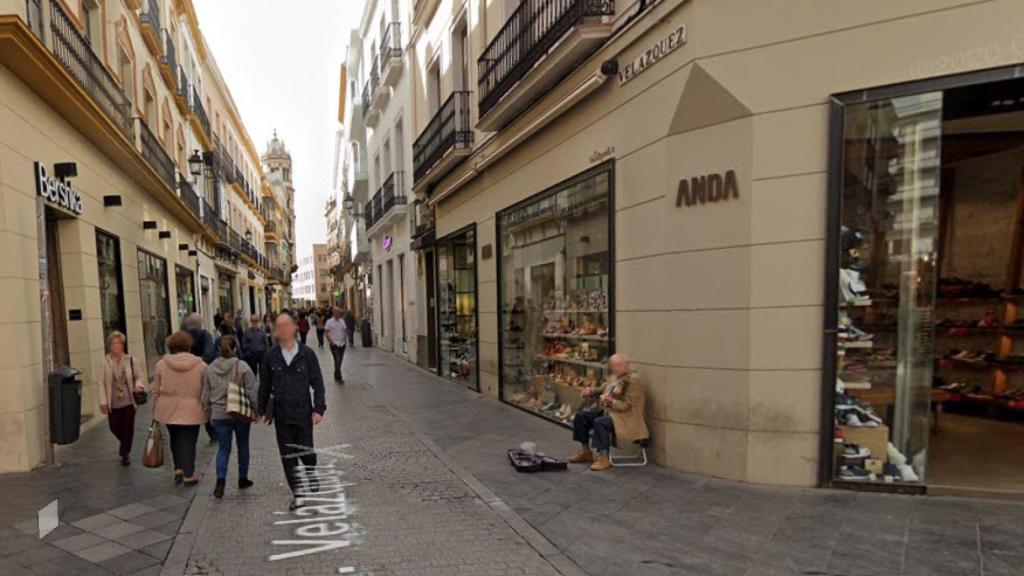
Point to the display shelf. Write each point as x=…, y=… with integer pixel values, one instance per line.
x=585, y=363
x=586, y=337
x=575, y=311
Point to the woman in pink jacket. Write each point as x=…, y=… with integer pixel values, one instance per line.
x=120, y=380
x=177, y=403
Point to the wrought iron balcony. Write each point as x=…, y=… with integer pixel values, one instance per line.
x=150, y=28
x=155, y=155
x=169, y=59
x=182, y=88
x=391, y=54
x=188, y=196
x=235, y=239
x=196, y=106
x=448, y=130
x=366, y=98
x=74, y=52
x=390, y=195
x=533, y=29
x=210, y=219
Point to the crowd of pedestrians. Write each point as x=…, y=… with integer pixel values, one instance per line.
x=266, y=368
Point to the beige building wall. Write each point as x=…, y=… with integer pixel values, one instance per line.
x=720, y=305
x=32, y=132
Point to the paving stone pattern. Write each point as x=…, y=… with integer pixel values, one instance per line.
x=652, y=521
x=412, y=514
x=113, y=519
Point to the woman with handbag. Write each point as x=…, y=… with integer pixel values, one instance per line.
x=177, y=403
x=121, y=389
x=229, y=396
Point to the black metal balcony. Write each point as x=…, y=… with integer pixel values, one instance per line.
x=183, y=88
x=155, y=155
x=210, y=218
x=74, y=52
x=196, y=106
x=188, y=196
x=532, y=30
x=150, y=15
x=235, y=239
x=449, y=129
x=391, y=43
x=169, y=56
x=391, y=194
x=366, y=98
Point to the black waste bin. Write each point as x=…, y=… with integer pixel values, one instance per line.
x=367, y=331
x=65, y=405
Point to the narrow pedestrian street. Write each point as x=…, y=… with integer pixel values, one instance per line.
x=426, y=490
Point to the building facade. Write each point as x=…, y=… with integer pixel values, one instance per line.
x=311, y=282
x=123, y=212
x=278, y=205
x=773, y=212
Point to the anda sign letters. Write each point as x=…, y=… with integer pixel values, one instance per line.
x=707, y=188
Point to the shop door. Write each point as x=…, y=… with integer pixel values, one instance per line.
x=431, y=310
x=58, y=318
x=252, y=300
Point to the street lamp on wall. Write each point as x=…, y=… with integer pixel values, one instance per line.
x=195, y=163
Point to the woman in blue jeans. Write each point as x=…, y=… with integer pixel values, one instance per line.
x=224, y=371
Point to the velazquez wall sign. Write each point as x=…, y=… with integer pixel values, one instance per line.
x=659, y=50
x=716, y=187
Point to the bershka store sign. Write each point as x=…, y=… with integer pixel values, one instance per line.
x=661, y=48
x=708, y=188
x=58, y=193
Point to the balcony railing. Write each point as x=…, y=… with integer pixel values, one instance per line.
x=150, y=15
x=183, y=89
x=391, y=43
x=367, y=94
x=34, y=13
x=169, y=57
x=196, y=105
x=532, y=30
x=391, y=194
x=189, y=196
x=449, y=128
x=78, y=58
x=210, y=218
x=155, y=154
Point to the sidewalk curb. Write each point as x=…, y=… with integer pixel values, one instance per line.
x=547, y=550
x=176, y=563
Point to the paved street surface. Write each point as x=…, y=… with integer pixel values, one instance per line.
x=414, y=480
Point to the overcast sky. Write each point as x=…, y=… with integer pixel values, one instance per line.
x=281, y=60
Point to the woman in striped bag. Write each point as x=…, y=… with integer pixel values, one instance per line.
x=229, y=395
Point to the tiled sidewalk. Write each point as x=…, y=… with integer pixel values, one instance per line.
x=114, y=519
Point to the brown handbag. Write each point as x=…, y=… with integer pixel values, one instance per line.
x=153, y=455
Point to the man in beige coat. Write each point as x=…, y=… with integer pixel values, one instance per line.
x=619, y=412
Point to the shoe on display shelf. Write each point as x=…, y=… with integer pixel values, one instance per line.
x=852, y=289
x=853, y=451
x=855, y=473
x=907, y=473
x=895, y=456
x=844, y=402
x=891, y=472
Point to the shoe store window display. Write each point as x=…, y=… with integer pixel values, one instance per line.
x=613, y=415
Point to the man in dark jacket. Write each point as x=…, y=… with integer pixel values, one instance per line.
x=255, y=344
x=350, y=326
x=290, y=370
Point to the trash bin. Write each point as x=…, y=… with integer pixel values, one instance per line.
x=65, y=405
x=367, y=331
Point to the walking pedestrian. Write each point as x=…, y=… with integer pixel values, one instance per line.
x=119, y=384
x=218, y=317
x=350, y=325
x=177, y=403
x=238, y=324
x=337, y=336
x=202, y=341
x=289, y=372
x=255, y=344
x=303, y=327
x=228, y=370
x=320, y=324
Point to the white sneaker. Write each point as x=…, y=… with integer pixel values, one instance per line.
x=852, y=421
x=907, y=473
x=895, y=456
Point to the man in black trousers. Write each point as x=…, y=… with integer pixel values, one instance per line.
x=288, y=373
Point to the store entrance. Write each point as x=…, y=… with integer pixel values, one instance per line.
x=930, y=331
x=457, y=320
x=55, y=284
x=428, y=257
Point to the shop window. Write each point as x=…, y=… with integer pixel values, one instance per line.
x=156, y=307
x=185, y=282
x=926, y=280
x=555, y=295
x=108, y=257
x=457, y=314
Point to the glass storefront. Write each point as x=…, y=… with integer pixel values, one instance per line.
x=926, y=207
x=225, y=293
x=185, y=283
x=108, y=257
x=156, y=307
x=457, y=320
x=555, y=275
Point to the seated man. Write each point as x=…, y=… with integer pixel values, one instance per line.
x=619, y=411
